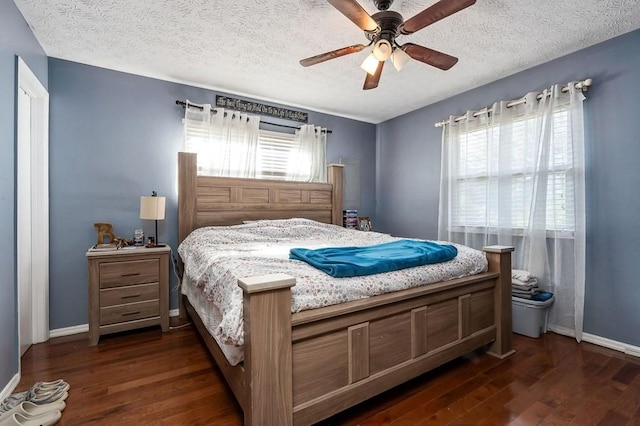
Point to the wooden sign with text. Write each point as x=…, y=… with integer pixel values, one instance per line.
x=261, y=109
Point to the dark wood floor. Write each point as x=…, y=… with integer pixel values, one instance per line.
x=147, y=377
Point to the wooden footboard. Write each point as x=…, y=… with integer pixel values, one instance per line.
x=301, y=368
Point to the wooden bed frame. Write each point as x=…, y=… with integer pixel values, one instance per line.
x=304, y=367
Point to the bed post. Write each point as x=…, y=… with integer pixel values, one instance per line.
x=187, y=187
x=268, y=365
x=499, y=258
x=336, y=177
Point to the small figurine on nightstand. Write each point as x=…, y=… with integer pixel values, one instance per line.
x=107, y=239
x=105, y=233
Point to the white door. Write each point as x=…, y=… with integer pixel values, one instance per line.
x=32, y=208
x=23, y=218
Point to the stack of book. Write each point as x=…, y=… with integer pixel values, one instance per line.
x=350, y=219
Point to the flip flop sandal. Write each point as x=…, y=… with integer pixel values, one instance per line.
x=54, y=383
x=48, y=397
x=13, y=400
x=50, y=386
x=29, y=409
x=40, y=391
x=45, y=419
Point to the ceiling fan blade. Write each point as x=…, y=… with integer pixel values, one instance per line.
x=430, y=56
x=434, y=13
x=352, y=10
x=371, y=82
x=331, y=55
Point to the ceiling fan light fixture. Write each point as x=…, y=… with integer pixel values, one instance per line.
x=399, y=58
x=382, y=49
x=370, y=64
x=381, y=30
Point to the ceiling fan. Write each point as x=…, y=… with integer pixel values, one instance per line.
x=382, y=28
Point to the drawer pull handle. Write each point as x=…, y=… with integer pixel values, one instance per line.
x=132, y=274
x=130, y=313
x=131, y=296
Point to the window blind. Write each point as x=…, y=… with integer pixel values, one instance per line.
x=275, y=151
x=475, y=187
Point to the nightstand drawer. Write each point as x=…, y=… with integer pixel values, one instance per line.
x=129, y=312
x=116, y=274
x=130, y=294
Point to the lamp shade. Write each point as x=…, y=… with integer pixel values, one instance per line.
x=370, y=64
x=399, y=58
x=152, y=208
x=382, y=50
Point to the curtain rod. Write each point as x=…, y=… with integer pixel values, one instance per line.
x=184, y=105
x=581, y=85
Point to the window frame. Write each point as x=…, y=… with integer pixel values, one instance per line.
x=565, y=168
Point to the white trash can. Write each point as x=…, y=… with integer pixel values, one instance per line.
x=530, y=317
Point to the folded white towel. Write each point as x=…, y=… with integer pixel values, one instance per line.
x=531, y=291
x=532, y=282
x=515, y=286
x=521, y=275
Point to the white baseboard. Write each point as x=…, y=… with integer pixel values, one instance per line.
x=625, y=348
x=68, y=331
x=83, y=328
x=612, y=344
x=8, y=390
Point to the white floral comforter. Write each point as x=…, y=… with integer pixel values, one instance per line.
x=215, y=257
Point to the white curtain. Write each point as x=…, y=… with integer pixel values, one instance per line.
x=226, y=141
x=308, y=161
x=514, y=175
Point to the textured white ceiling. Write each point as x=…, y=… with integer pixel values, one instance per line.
x=252, y=47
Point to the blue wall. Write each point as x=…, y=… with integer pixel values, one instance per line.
x=114, y=137
x=408, y=173
x=15, y=39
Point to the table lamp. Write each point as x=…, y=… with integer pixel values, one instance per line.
x=152, y=208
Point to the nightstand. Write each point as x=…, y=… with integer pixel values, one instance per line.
x=128, y=289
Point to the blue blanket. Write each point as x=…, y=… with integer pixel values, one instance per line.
x=341, y=262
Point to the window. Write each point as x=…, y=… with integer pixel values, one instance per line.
x=231, y=144
x=276, y=152
x=480, y=180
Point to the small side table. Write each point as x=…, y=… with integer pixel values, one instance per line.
x=128, y=289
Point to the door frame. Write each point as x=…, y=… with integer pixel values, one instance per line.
x=39, y=200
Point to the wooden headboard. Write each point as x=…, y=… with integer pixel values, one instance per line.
x=210, y=200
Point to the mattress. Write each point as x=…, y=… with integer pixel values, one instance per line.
x=216, y=257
